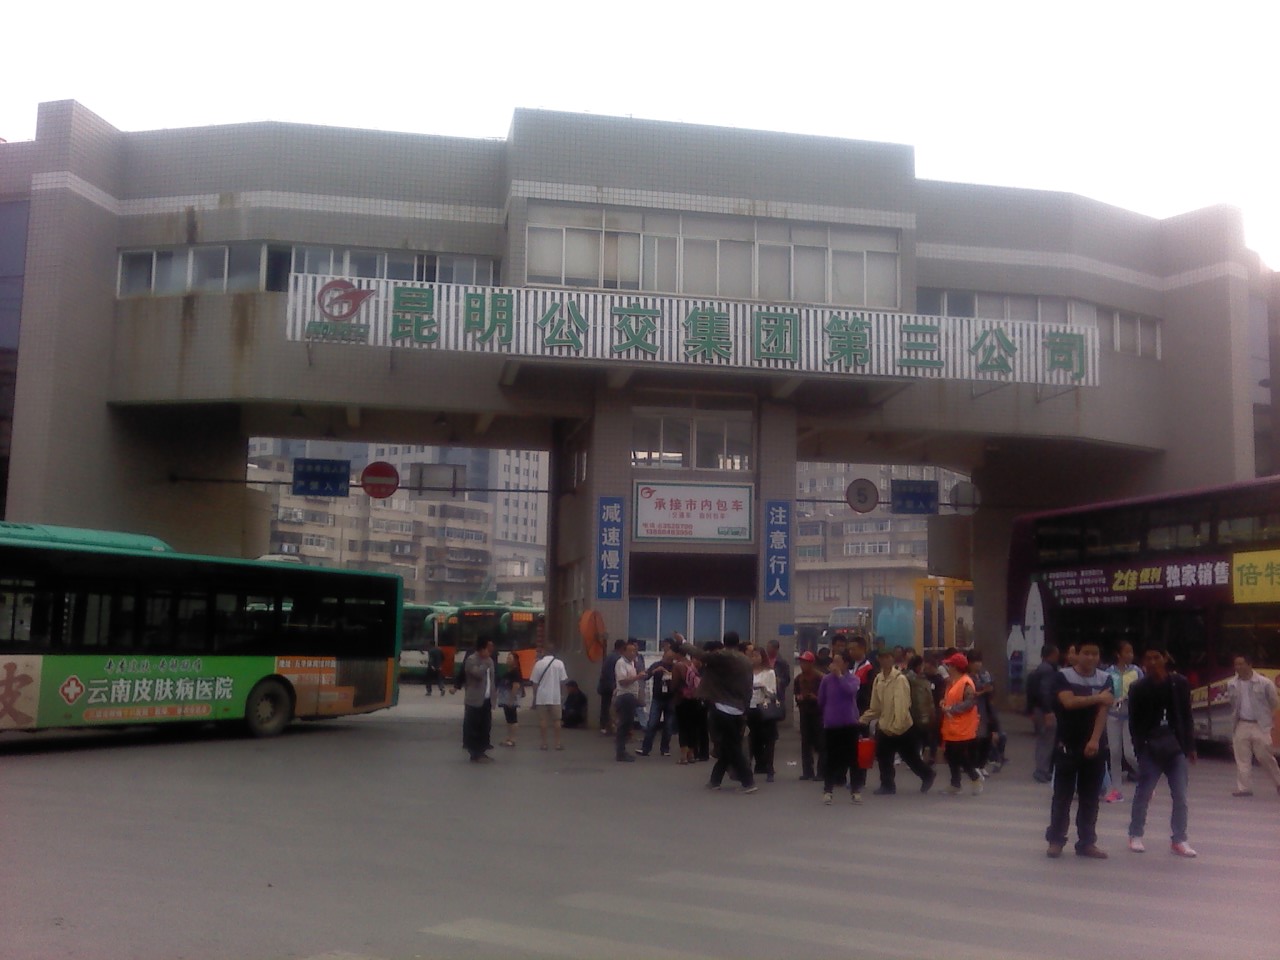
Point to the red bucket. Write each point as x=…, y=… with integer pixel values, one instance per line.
x=866, y=753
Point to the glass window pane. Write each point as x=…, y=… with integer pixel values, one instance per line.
x=735, y=268
x=629, y=220
x=737, y=445
x=959, y=303
x=1022, y=308
x=1053, y=310
x=660, y=263
x=642, y=620
x=989, y=306
x=400, y=266
x=208, y=269
x=582, y=258
x=1085, y=313
x=710, y=441
x=278, y=261
x=699, y=267
x=673, y=616
x=135, y=272
x=811, y=274
x=775, y=273
x=737, y=617
x=313, y=260
x=364, y=263
x=545, y=256
x=452, y=269
x=171, y=271
x=1127, y=333
x=811, y=236
x=621, y=261
x=846, y=278
x=882, y=280
x=707, y=622
x=854, y=238
x=244, y=267
x=929, y=302
x=675, y=442
x=646, y=440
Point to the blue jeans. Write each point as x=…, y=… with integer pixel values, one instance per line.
x=1176, y=771
x=660, y=711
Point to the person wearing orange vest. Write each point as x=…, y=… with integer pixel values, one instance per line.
x=960, y=723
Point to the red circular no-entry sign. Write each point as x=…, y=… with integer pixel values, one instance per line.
x=380, y=479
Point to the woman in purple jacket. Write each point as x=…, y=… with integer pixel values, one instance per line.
x=838, y=701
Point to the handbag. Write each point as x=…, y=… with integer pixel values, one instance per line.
x=771, y=709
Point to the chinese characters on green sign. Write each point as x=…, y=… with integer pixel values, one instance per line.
x=621, y=326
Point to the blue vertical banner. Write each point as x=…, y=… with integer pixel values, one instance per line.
x=777, y=551
x=609, y=549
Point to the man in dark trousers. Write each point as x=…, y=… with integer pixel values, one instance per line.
x=781, y=670
x=726, y=685
x=810, y=714
x=1081, y=696
x=478, y=694
x=1040, y=707
x=608, y=681
x=1163, y=739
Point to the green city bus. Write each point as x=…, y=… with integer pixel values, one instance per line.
x=101, y=629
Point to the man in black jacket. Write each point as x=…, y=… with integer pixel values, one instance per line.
x=726, y=685
x=1163, y=739
x=1040, y=706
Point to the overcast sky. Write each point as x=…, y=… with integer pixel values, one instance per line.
x=1157, y=107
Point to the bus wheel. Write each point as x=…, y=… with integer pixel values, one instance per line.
x=268, y=709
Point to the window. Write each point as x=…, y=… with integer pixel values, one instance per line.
x=687, y=442
x=733, y=257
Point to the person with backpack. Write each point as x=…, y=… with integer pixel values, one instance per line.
x=605, y=687
x=688, y=708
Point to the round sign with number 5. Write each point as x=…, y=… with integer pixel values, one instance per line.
x=863, y=495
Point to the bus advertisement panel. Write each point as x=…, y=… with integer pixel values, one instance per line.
x=1198, y=573
x=100, y=629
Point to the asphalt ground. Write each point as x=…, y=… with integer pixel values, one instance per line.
x=373, y=838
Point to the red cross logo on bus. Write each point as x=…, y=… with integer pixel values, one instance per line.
x=11, y=684
x=71, y=689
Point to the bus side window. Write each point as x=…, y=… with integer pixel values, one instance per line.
x=24, y=616
x=243, y=624
x=157, y=621
x=362, y=621
x=193, y=623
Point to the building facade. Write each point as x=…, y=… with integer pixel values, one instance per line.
x=676, y=314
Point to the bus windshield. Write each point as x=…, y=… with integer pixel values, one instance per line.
x=1197, y=572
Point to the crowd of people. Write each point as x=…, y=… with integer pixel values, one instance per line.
x=1096, y=727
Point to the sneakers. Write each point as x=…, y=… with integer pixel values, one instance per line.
x=1054, y=851
x=855, y=797
x=952, y=790
x=1091, y=852
x=976, y=788
x=1182, y=849
x=1136, y=845
x=1244, y=793
x=752, y=789
x=1113, y=796
x=826, y=798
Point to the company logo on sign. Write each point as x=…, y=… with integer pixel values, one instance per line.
x=339, y=301
x=72, y=689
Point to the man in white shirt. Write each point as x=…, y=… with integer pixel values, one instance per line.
x=548, y=678
x=626, y=698
x=1254, y=700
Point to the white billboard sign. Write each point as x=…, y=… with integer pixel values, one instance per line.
x=693, y=512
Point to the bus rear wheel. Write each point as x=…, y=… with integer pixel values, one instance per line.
x=269, y=709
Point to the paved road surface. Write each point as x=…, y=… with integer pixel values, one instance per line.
x=374, y=839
